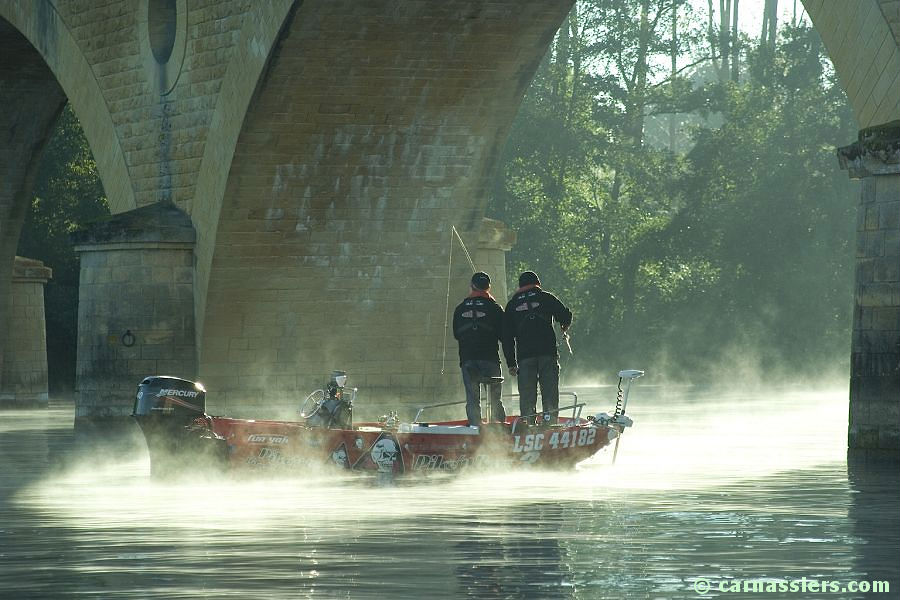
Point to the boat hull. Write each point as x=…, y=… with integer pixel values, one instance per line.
x=242, y=445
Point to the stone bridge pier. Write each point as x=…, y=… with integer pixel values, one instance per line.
x=23, y=380
x=863, y=39
x=875, y=351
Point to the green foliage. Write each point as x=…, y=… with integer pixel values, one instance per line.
x=67, y=194
x=738, y=251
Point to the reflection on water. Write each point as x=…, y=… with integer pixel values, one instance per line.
x=737, y=487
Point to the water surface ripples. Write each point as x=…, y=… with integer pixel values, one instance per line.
x=743, y=486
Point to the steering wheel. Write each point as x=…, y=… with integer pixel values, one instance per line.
x=315, y=398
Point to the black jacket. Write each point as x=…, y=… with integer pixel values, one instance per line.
x=478, y=326
x=528, y=324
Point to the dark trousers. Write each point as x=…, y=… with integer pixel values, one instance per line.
x=543, y=370
x=485, y=368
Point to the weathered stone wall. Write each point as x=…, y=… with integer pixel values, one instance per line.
x=494, y=241
x=875, y=353
x=371, y=132
x=862, y=38
x=135, y=307
x=24, y=378
x=67, y=60
x=146, y=119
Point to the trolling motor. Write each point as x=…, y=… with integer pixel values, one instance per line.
x=330, y=408
x=619, y=420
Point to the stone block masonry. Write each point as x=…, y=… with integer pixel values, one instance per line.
x=370, y=133
x=875, y=353
x=23, y=382
x=135, y=307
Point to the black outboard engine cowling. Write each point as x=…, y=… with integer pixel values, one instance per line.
x=172, y=415
x=170, y=396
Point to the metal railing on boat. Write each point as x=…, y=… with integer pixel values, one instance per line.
x=576, y=408
x=421, y=410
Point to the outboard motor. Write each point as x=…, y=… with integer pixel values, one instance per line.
x=179, y=399
x=335, y=409
x=166, y=409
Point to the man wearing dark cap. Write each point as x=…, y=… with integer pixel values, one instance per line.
x=529, y=344
x=478, y=327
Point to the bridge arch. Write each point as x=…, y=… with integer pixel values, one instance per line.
x=369, y=133
x=41, y=25
x=862, y=38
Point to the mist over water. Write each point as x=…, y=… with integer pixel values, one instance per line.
x=743, y=485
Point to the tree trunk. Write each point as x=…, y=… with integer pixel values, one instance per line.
x=711, y=37
x=639, y=93
x=770, y=24
x=574, y=51
x=629, y=289
x=673, y=51
x=724, y=35
x=561, y=62
x=735, y=44
x=773, y=22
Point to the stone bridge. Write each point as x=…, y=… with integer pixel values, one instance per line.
x=284, y=176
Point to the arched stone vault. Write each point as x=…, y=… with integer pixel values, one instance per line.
x=257, y=35
x=76, y=74
x=862, y=38
x=370, y=133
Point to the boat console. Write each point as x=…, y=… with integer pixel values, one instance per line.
x=330, y=408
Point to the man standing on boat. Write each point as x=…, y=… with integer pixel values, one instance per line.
x=529, y=344
x=478, y=327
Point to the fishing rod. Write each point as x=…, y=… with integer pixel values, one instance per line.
x=453, y=232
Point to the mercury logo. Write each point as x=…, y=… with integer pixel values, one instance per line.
x=183, y=393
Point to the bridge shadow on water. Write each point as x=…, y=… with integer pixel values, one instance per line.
x=875, y=514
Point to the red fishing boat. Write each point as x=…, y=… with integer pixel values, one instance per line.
x=182, y=438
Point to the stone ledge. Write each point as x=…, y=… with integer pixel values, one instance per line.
x=30, y=269
x=162, y=222
x=495, y=235
x=876, y=152
x=136, y=245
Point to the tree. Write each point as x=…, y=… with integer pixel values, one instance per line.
x=675, y=258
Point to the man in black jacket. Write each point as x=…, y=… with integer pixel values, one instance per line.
x=478, y=327
x=529, y=344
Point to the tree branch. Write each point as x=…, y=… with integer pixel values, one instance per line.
x=685, y=67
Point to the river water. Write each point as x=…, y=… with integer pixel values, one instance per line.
x=707, y=487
